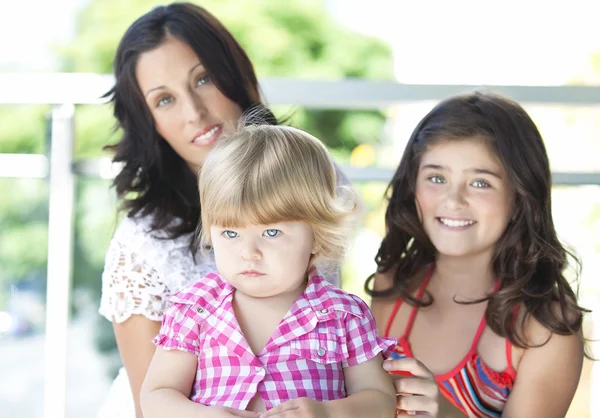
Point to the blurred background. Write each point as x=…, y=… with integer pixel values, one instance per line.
x=393, y=59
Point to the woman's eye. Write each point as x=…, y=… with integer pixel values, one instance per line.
x=272, y=232
x=437, y=179
x=230, y=234
x=205, y=78
x=480, y=184
x=164, y=101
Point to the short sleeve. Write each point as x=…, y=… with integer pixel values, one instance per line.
x=362, y=338
x=131, y=286
x=180, y=329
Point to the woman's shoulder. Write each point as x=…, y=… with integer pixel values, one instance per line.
x=139, y=225
x=143, y=267
x=136, y=231
x=135, y=237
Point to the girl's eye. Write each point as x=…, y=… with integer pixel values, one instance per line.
x=437, y=179
x=230, y=234
x=204, y=79
x=272, y=232
x=480, y=184
x=164, y=101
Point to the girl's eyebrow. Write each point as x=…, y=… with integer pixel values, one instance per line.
x=473, y=170
x=485, y=171
x=434, y=167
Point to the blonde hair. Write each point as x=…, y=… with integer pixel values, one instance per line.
x=265, y=174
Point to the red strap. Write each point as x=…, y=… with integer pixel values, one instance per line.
x=510, y=369
x=509, y=354
x=413, y=313
x=482, y=324
x=478, y=335
x=392, y=316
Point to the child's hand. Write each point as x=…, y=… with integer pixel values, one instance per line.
x=298, y=408
x=416, y=388
x=225, y=412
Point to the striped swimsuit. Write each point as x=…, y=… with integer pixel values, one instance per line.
x=472, y=386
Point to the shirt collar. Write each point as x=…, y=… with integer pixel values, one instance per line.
x=209, y=292
x=325, y=299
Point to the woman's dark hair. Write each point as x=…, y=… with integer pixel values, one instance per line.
x=528, y=258
x=155, y=179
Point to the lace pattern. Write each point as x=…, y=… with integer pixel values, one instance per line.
x=142, y=269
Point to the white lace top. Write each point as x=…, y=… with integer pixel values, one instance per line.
x=143, y=268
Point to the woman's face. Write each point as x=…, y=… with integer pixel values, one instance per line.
x=189, y=111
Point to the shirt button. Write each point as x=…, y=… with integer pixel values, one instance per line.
x=324, y=311
x=200, y=309
x=321, y=351
x=258, y=369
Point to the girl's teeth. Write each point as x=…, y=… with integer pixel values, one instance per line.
x=456, y=224
x=207, y=135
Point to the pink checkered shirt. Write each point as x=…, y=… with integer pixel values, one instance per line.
x=325, y=331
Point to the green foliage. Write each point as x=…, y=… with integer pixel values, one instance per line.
x=23, y=129
x=23, y=222
x=94, y=128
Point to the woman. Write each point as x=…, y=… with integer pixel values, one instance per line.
x=182, y=81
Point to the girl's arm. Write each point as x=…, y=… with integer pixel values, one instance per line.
x=547, y=376
x=134, y=340
x=370, y=394
x=168, y=384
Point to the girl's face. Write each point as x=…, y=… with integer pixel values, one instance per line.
x=189, y=112
x=264, y=261
x=463, y=197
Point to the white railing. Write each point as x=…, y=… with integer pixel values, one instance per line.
x=86, y=88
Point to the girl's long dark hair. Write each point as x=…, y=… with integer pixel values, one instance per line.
x=529, y=258
x=155, y=179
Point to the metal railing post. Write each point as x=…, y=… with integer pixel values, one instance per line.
x=60, y=246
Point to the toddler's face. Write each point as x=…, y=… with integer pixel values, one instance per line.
x=263, y=261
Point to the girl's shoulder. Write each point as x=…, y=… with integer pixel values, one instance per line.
x=537, y=331
x=384, y=281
